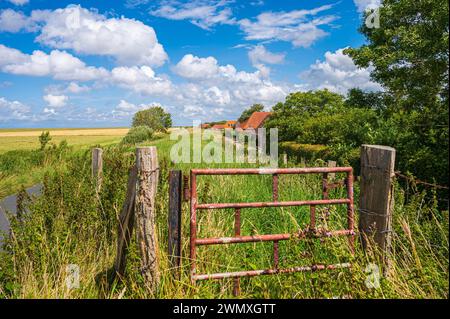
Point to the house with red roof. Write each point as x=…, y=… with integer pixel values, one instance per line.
x=219, y=126
x=255, y=121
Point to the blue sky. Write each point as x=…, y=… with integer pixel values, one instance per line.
x=95, y=63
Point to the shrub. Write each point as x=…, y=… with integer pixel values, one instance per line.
x=344, y=155
x=44, y=138
x=310, y=152
x=138, y=134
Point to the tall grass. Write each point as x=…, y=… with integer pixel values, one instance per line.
x=71, y=224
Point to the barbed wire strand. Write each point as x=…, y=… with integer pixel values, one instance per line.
x=418, y=181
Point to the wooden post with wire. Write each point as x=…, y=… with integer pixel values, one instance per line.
x=174, y=240
x=377, y=198
x=146, y=187
x=331, y=164
x=97, y=167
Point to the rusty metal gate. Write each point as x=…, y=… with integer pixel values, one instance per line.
x=311, y=231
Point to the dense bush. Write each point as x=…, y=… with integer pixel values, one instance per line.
x=138, y=134
x=309, y=152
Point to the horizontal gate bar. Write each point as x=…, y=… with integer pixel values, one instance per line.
x=274, y=204
x=271, y=237
x=263, y=171
x=251, y=273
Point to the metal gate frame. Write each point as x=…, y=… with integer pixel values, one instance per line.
x=310, y=232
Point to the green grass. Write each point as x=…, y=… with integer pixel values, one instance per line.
x=71, y=224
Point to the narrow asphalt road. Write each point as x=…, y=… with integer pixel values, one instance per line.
x=8, y=204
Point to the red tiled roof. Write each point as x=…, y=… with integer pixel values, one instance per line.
x=219, y=126
x=256, y=120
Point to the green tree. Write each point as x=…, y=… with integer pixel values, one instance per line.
x=155, y=118
x=409, y=54
x=409, y=51
x=44, y=138
x=367, y=100
x=248, y=112
x=289, y=117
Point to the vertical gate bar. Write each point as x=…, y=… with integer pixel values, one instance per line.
x=275, y=255
x=325, y=192
x=275, y=187
x=193, y=224
x=312, y=213
x=237, y=222
x=237, y=232
x=350, y=209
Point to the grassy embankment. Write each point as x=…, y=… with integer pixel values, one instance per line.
x=70, y=224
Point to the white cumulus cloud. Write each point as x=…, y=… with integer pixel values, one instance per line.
x=12, y=21
x=19, y=2
x=300, y=27
x=13, y=110
x=74, y=87
x=193, y=67
x=211, y=85
x=56, y=101
x=259, y=54
x=58, y=64
x=362, y=5
x=129, y=41
x=11, y=56
x=84, y=31
x=141, y=80
x=202, y=13
x=16, y=21
x=338, y=73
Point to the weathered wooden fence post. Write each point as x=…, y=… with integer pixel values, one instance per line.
x=186, y=192
x=377, y=197
x=147, y=183
x=331, y=164
x=175, y=199
x=126, y=223
x=97, y=167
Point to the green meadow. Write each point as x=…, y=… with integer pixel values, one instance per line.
x=71, y=224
